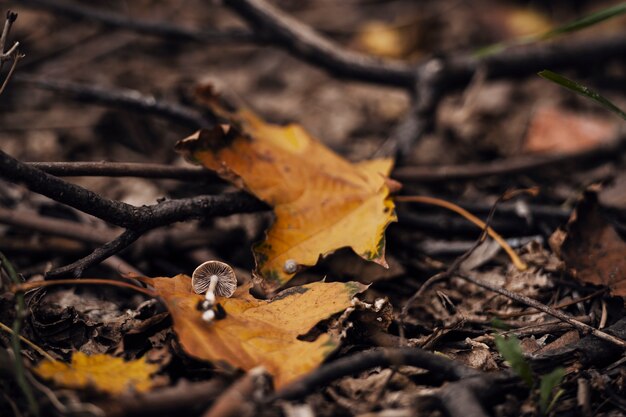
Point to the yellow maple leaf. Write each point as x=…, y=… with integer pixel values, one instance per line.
x=258, y=332
x=322, y=202
x=103, y=372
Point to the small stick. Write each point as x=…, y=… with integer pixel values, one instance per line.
x=123, y=169
x=27, y=286
x=362, y=361
x=16, y=57
x=8, y=23
x=146, y=27
x=507, y=166
x=585, y=328
x=103, y=252
x=122, y=98
x=519, y=264
x=28, y=342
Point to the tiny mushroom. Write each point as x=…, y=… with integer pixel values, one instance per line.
x=217, y=279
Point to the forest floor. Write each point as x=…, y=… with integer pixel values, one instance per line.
x=463, y=128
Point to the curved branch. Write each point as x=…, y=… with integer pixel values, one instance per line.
x=123, y=169
x=362, y=361
x=146, y=27
x=137, y=220
x=306, y=43
x=115, y=212
x=507, y=166
x=103, y=252
x=122, y=98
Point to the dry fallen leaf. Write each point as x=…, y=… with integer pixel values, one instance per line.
x=392, y=40
x=553, y=129
x=258, y=332
x=103, y=372
x=322, y=202
x=592, y=250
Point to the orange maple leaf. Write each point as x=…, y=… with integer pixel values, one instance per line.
x=322, y=202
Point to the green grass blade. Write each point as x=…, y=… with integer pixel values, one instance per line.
x=579, y=24
x=546, y=386
x=584, y=22
x=511, y=351
x=582, y=90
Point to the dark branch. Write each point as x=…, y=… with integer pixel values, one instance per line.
x=137, y=220
x=126, y=99
x=115, y=212
x=31, y=220
x=123, y=169
x=306, y=43
x=418, y=119
x=103, y=252
x=506, y=166
x=527, y=60
x=161, y=29
x=363, y=361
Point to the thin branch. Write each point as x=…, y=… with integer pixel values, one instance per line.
x=103, y=252
x=427, y=92
x=11, y=17
x=506, y=166
x=137, y=220
x=454, y=266
x=16, y=55
x=181, y=399
x=585, y=328
x=527, y=60
x=306, y=43
x=123, y=169
x=362, y=361
x=33, y=221
x=161, y=29
x=115, y=212
x=464, y=398
x=122, y=98
x=457, y=71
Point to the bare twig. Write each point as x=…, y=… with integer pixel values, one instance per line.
x=359, y=362
x=36, y=348
x=161, y=29
x=306, y=43
x=240, y=398
x=13, y=54
x=6, y=29
x=122, y=214
x=183, y=398
x=16, y=57
x=464, y=398
x=137, y=220
x=506, y=166
x=31, y=220
x=127, y=99
x=452, y=268
x=427, y=92
x=447, y=273
x=123, y=169
x=108, y=249
x=585, y=328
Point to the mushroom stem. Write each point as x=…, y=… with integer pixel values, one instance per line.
x=210, y=293
x=213, y=283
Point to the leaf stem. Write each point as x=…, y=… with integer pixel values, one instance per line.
x=519, y=264
x=26, y=286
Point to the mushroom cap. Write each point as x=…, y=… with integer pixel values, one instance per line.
x=226, y=279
